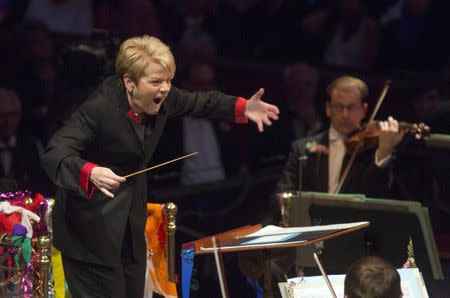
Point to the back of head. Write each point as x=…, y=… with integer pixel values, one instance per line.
x=372, y=277
x=137, y=52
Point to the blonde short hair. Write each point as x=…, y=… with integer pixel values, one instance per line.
x=349, y=84
x=137, y=52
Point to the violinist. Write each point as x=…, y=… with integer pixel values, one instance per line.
x=327, y=154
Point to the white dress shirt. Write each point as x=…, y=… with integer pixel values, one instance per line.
x=337, y=152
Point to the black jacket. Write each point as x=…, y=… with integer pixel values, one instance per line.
x=101, y=132
x=364, y=177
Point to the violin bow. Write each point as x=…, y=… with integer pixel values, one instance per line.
x=349, y=164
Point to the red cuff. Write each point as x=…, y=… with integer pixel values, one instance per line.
x=85, y=184
x=239, y=110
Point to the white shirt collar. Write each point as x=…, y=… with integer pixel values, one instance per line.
x=334, y=135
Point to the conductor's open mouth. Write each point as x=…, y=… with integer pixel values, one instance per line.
x=157, y=100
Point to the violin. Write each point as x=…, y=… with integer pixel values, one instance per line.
x=367, y=137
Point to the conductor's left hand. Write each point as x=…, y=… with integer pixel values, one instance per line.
x=261, y=112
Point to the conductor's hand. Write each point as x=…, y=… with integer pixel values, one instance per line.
x=261, y=112
x=105, y=180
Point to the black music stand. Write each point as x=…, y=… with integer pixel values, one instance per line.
x=392, y=223
x=234, y=241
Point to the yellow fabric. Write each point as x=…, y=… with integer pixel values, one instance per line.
x=58, y=274
x=156, y=242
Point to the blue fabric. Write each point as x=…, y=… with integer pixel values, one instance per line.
x=187, y=264
x=255, y=285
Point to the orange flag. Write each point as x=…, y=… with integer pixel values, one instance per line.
x=157, y=278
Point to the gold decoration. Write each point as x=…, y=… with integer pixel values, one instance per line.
x=28, y=201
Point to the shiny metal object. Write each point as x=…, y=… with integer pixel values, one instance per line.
x=170, y=211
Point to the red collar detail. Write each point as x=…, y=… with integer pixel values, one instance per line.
x=136, y=118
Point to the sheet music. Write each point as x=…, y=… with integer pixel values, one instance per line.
x=315, y=287
x=272, y=235
x=270, y=239
x=276, y=230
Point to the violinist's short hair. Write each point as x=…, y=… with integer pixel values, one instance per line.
x=372, y=277
x=136, y=53
x=349, y=84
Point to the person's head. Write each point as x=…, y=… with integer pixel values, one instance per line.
x=346, y=105
x=37, y=40
x=147, y=67
x=425, y=98
x=372, y=277
x=198, y=46
x=300, y=81
x=10, y=113
x=200, y=76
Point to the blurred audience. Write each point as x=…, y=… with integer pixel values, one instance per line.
x=196, y=13
x=196, y=46
x=415, y=35
x=8, y=185
x=276, y=27
x=127, y=18
x=37, y=79
x=300, y=85
x=345, y=33
x=234, y=26
x=63, y=16
x=11, y=13
x=20, y=156
x=199, y=135
x=171, y=19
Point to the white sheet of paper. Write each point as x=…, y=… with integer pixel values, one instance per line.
x=270, y=239
x=315, y=287
x=271, y=230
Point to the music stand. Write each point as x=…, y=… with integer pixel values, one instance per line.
x=240, y=240
x=392, y=223
x=438, y=141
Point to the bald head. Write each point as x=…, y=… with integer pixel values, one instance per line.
x=10, y=113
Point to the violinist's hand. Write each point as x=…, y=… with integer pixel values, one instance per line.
x=105, y=180
x=390, y=136
x=259, y=111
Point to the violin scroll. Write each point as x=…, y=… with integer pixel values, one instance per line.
x=420, y=130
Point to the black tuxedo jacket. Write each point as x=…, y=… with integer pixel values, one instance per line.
x=101, y=132
x=364, y=177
